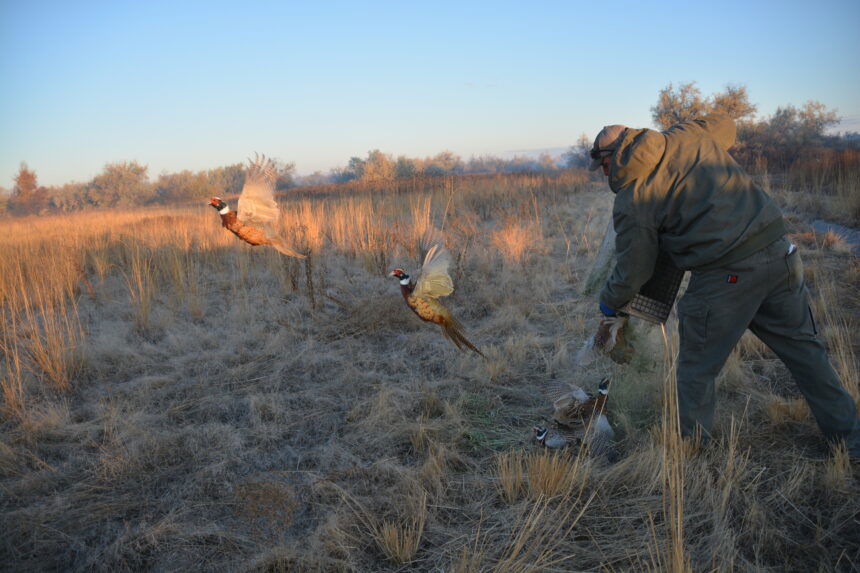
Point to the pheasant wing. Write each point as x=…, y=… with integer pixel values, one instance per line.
x=257, y=204
x=573, y=437
x=600, y=437
x=435, y=280
x=555, y=389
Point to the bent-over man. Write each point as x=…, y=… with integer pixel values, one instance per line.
x=680, y=192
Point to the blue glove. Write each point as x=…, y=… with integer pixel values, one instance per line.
x=606, y=310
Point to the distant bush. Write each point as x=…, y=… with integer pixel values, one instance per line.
x=70, y=197
x=27, y=197
x=121, y=185
x=788, y=135
x=227, y=180
x=183, y=186
x=686, y=102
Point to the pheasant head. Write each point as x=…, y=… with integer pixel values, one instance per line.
x=540, y=434
x=603, y=387
x=217, y=203
x=401, y=276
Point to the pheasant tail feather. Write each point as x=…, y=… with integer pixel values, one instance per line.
x=282, y=248
x=454, y=331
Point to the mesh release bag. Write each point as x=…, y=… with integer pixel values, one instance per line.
x=656, y=297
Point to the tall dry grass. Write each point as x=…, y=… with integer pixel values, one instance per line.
x=12, y=381
x=838, y=328
x=176, y=399
x=140, y=282
x=676, y=557
x=825, y=187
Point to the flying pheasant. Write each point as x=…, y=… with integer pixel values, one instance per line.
x=422, y=296
x=258, y=213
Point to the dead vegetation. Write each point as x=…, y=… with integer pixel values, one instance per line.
x=173, y=399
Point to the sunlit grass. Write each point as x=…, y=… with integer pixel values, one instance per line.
x=183, y=400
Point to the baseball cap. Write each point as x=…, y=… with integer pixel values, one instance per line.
x=607, y=140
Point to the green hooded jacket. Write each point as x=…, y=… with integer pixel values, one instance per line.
x=679, y=191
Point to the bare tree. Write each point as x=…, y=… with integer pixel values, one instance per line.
x=676, y=106
x=734, y=102
x=407, y=167
x=27, y=197
x=121, y=184
x=686, y=103
x=227, y=180
x=378, y=167
x=443, y=163
x=69, y=197
x=184, y=186
x=286, y=175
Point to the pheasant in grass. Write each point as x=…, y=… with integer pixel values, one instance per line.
x=258, y=213
x=571, y=404
x=421, y=296
x=596, y=439
x=556, y=438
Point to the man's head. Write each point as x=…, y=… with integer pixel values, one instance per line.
x=605, y=144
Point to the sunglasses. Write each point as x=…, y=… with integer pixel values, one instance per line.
x=596, y=153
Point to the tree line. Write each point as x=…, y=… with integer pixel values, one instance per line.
x=790, y=137
x=379, y=166
x=127, y=184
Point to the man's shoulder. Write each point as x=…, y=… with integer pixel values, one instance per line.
x=717, y=126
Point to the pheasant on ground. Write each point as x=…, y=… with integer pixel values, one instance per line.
x=596, y=438
x=422, y=295
x=556, y=438
x=572, y=406
x=258, y=213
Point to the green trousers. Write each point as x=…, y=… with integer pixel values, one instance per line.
x=766, y=293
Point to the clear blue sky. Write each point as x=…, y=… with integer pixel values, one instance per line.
x=193, y=85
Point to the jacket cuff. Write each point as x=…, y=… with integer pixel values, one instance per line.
x=607, y=311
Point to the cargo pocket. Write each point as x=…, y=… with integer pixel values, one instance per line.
x=795, y=270
x=693, y=324
x=812, y=320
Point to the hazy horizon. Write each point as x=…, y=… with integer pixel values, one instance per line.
x=199, y=86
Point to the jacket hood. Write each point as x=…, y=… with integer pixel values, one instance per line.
x=637, y=155
x=720, y=127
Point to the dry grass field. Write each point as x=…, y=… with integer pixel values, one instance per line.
x=175, y=400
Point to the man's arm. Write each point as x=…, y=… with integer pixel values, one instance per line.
x=636, y=248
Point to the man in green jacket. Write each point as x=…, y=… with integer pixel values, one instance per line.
x=680, y=192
